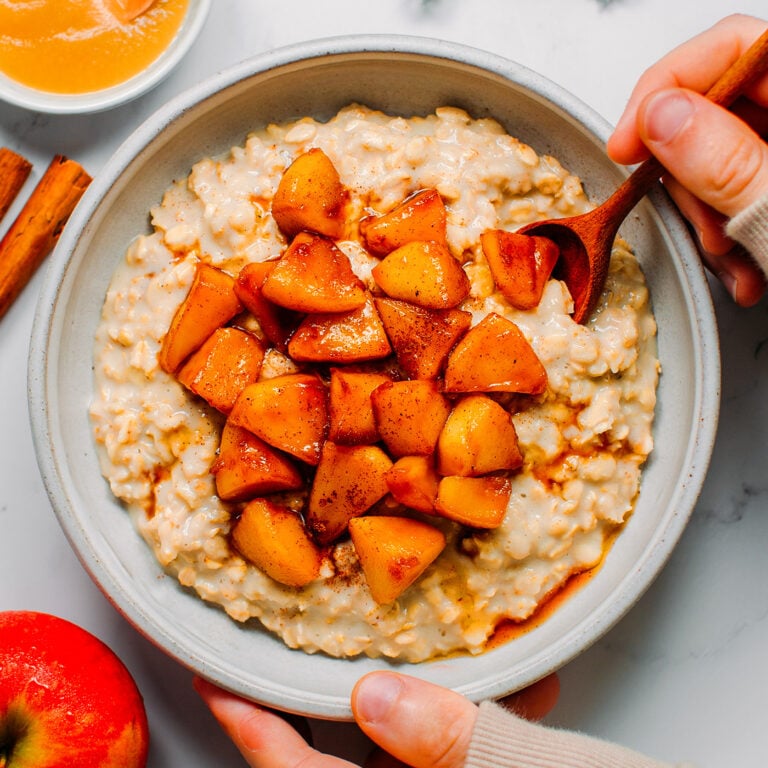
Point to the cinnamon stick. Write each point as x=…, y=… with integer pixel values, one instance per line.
x=37, y=228
x=14, y=170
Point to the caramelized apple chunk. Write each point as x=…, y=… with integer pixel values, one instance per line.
x=341, y=337
x=412, y=481
x=349, y=480
x=210, y=303
x=409, y=416
x=350, y=408
x=421, y=338
x=394, y=552
x=477, y=502
x=494, y=356
x=477, y=438
x=420, y=216
x=246, y=467
x=310, y=196
x=289, y=412
x=314, y=275
x=227, y=362
x=275, y=540
x=276, y=323
x=520, y=265
x=423, y=273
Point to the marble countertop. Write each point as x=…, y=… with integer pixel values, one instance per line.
x=683, y=675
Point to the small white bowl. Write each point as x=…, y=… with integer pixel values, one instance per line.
x=96, y=101
x=401, y=75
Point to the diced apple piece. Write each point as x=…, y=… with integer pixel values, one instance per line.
x=341, y=337
x=210, y=303
x=350, y=408
x=246, y=467
x=421, y=338
x=310, y=196
x=277, y=323
x=349, y=480
x=477, y=502
x=423, y=273
x=410, y=416
x=314, y=275
x=520, y=265
x=494, y=356
x=289, y=412
x=419, y=217
x=478, y=438
x=274, y=539
x=413, y=482
x=394, y=552
x=227, y=362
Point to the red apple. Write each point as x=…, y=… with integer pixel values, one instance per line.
x=65, y=698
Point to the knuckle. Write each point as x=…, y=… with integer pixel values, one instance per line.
x=451, y=752
x=739, y=174
x=310, y=759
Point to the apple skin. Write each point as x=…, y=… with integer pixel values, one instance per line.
x=66, y=699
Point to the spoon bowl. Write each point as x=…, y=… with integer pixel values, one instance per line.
x=586, y=241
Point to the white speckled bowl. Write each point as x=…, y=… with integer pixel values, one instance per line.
x=96, y=101
x=400, y=75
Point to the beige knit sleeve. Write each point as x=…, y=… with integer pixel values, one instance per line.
x=502, y=740
x=750, y=228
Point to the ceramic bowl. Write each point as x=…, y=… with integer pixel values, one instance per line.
x=97, y=101
x=399, y=75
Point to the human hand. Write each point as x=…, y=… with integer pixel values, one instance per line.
x=413, y=722
x=717, y=161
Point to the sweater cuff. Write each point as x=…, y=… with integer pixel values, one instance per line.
x=503, y=740
x=750, y=228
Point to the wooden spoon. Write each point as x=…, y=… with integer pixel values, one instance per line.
x=586, y=241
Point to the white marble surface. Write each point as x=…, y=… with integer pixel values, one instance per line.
x=683, y=676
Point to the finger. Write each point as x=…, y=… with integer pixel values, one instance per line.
x=263, y=737
x=712, y=153
x=532, y=703
x=417, y=722
x=696, y=65
x=536, y=701
x=742, y=278
x=737, y=271
x=708, y=224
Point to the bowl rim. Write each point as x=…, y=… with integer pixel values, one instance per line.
x=21, y=95
x=41, y=385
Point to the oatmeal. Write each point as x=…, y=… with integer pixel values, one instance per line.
x=582, y=436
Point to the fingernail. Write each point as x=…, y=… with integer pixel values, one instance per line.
x=376, y=696
x=665, y=115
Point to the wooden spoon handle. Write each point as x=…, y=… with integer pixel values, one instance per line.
x=731, y=84
x=741, y=74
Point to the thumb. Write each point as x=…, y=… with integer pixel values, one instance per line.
x=711, y=152
x=417, y=722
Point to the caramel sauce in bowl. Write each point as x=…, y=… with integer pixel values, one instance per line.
x=79, y=56
x=509, y=630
